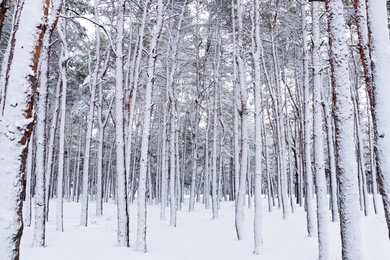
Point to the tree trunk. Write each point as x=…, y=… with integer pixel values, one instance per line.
x=60, y=183
x=142, y=196
x=28, y=196
x=345, y=145
x=256, y=47
x=310, y=214
x=122, y=210
x=332, y=164
x=17, y=121
x=240, y=201
x=380, y=62
x=321, y=186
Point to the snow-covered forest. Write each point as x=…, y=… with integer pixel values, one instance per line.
x=194, y=129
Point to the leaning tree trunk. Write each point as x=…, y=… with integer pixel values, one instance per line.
x=17, y=120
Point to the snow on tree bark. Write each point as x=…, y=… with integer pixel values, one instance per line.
x=64, y=82
x=122, y=210
x=332, y=164
x=16, y=121
x=380, y=62
x=256, y=47
x=28, y=193
x=40, y=173
x=235, y=110
x=310, y=214
x=344, y=124
x=142, y=196
x=240, y=200
x=321, y=186
x=164, y=166
x=87, y=155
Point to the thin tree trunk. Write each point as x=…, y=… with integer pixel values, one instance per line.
x=142, y=211
x=310, y=214
x=332, y=165
x=122, y=207
x=163, y=201
x=28, y=197
x=87, y=153
x=256, y=47
x=321, y=187
x=60, y=183
x=51, y=147
x=239, y=209
x=40, y=175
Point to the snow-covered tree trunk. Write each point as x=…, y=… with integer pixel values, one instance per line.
x=206, y=189
x=214, y=182
x=50, y=145
x=344, y=124
x=332, y=164
x=172, y=167
x=240, y=200
x=380, y=62
x=256, y=47
x=236, y=95
x=372, y=161
x=267, y=166
x=163, y=200
x=319, y=160
x=178, y=175
x=141, y=225
x=360, y=154
x=87, y=155
x=172, y=72
x=8, y=55
x=310, y=214
x=101, y=122
x=16, y=120
x=122, y=210
x=40, y=159
x=280, y=128
x=28, y=193
x=290, y=166
x=194, y=140
x=363, y=36
x=134, y=82
x=64, y=82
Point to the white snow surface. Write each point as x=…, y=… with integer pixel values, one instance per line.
x=196, y=237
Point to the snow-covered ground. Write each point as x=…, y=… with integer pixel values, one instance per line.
x=196, y=237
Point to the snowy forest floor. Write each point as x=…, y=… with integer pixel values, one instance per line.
x=196, y=237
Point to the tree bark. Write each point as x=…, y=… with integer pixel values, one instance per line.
x=344, y=123
x=142, y=196
x=380, y=62
x=17, y=120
